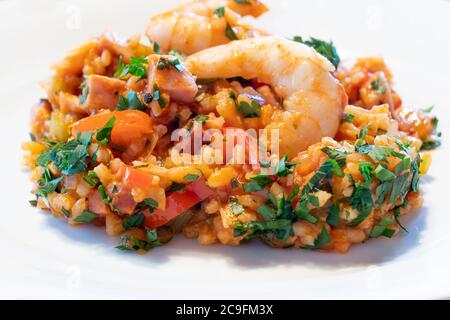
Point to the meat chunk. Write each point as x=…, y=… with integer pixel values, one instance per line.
x=178, y=83
x=101, y=93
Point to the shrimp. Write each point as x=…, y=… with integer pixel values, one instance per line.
x=312, y=98
x=198, y=25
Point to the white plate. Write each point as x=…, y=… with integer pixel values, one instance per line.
x=42, y=257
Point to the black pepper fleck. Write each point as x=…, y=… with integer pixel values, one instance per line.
x=148, y=97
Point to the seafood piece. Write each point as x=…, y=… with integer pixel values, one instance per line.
x=313, y=99
x=201, y=24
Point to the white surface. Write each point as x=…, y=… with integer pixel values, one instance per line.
x=42, y=257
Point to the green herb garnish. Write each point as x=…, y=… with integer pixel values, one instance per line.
x=348, y=117
x=333, y=215
x=381, y=229
x=84, y=95
x=158, y=97
x=156, y=47
x=134, y=221
x=191, y=177
x=131, y=102
x=230, y=34
x=91, y=178
x=366, y=169
x=361, y=199
x=236, y=207
x=136, y=68
x=327, y=49
x=220, y=12
x=322, y=240
x=103, y=195
x=252, y=110
x=104, y=134
x=383, y=174
x=70, y=157
x=85, y=217
x=378, y=86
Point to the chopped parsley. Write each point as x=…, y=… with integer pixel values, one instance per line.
x=65, y=212
x=361, y=199
x=136, y=68
x=430, y=144
x=103, y=195
x=382, y=191
x=403, y=165
x=153, y=239
x=397, y=218
x=302, y=212
x=324, y=173
x=327, y=49
x=156, y=47
x=428, y=109
x=165, y=63
x=103, y=135
x=236, y=207
x=252, y=110
x=265, y=163
x=230, y=34
x=334, y=153
x=333, y=215
x=258, y=182
x=378, y=86
x=284, y=167
x=177, y=54
x=131, y=102
x=281, y=228
x=252, y=186
x=201, y=118
x=220, y=12
x=47, y=184
x=383, y=174
x=134, y=221
x=400, y=187
x=376, y=153
x=133, y=243
x=70, y=157
x=381, y=229
x=91, y=178
x=175, y=186
x=366, y=169
x=147, y=204
x=415, y=174
x=84, y=95
x=158, y=97
x=335, y=167
x=191, y=177
x=348, y=117
x=262, y=179
x=266, y=212
x=323, y=239
x=85, y=217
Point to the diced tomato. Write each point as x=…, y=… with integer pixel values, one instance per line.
x=178, y=202
x=129, y=126
x=134, y=178
x=130, y=178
